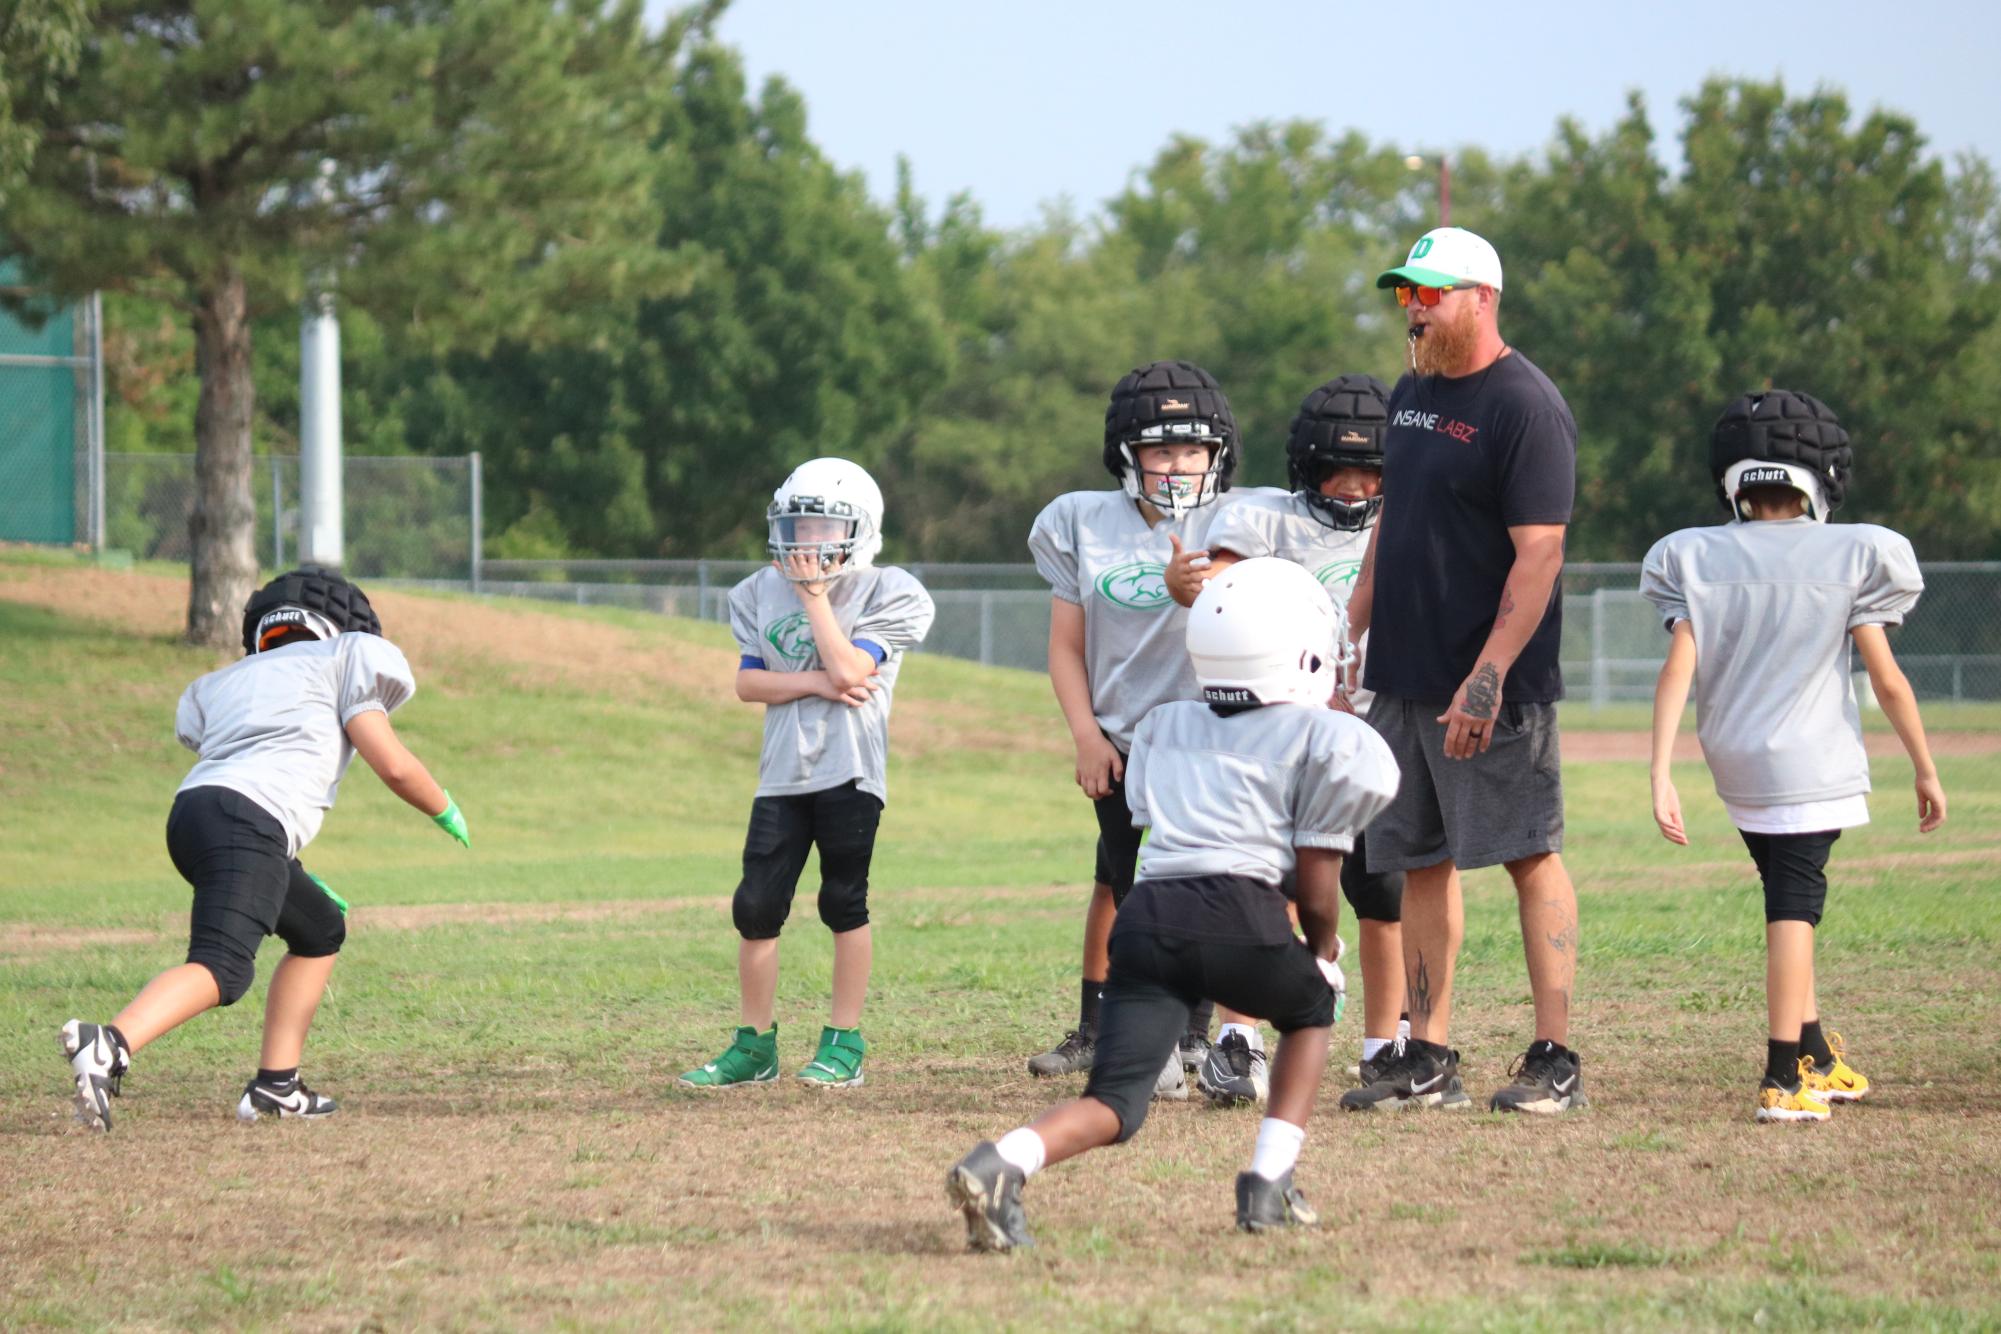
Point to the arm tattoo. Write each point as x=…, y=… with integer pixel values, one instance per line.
x=1507, y=608
x=1420, y=989
x=1482, y=692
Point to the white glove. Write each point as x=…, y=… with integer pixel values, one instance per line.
x=1337, y=981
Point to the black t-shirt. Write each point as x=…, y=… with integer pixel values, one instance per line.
x=1464, y=460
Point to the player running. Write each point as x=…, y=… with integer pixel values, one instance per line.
x=1255, y=785
x=1334, y=461
x=275, y=732
x=1762, y=610
x=822, y=632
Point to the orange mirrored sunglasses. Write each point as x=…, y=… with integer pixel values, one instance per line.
x=1426, y=296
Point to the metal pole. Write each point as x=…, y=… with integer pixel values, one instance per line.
x=320, y=535
x=478, y=518
x=277, y=515
x=986, y=629
x=1601, y=682
x=97, y=421
x=1444, y=192
x=702, y=589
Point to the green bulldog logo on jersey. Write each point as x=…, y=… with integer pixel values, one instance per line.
x=791, y=638
x=1140, y=585
x=1339, y=576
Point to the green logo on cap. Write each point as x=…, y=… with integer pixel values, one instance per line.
x=1422, y=248
x=1141, y=586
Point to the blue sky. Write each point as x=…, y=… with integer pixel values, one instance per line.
x=1032, y=101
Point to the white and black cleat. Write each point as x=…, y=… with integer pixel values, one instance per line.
x=1263, y=1206
x=986, y=1189
x=1171, y=1084
x=283, y=1100
x=1235, y=1074
x=98, y=1063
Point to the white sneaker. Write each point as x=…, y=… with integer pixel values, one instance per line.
x=260, y=1098
x=98, y=1064
x=1172, y=1083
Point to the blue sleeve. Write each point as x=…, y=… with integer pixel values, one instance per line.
x=748, y=663
x=870, y=647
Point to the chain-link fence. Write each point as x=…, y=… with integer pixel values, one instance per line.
x=404, y=518
x=1611, y=649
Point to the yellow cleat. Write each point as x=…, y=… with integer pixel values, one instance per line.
x=1800, y=1104
x=1840, y=1082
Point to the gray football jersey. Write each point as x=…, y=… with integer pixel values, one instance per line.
x=273, y=725
x=1771, y=604
x=1285, y=526
x=813, y=744
x=1236, y=795
x=1095, y=550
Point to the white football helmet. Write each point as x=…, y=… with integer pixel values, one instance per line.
x=822, y=490
x=1741, y=476
x=1264, y=631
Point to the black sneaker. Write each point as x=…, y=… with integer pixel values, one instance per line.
x=97, y=1066
x=1070, y=1056
x=1233, y=1074
x=1194, y=1049
x=1264, y=1205
x=986, y=1188
x=1410, y=1074
x=282, y=1100
x=1546, y=1079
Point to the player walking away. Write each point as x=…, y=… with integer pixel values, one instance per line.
x=274, y=733
x=1762, y=610
x=1115, y=635
x=1334, y=461
x=822, y=632
x=1255, y=784
x=1479, y=475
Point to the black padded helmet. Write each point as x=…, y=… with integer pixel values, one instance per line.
x=1784, y=427
x=1164, y=403
x=307, y=597
x=1340, y=425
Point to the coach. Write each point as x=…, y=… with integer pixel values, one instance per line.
x=1479, y=474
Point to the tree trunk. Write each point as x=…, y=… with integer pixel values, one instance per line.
x=223, y=527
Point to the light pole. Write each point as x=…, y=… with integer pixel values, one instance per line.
x=1416, y=163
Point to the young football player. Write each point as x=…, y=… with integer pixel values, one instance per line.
x=1115, y=635
x=822, y=632
x=1763, y=610
x=1334, y=461
x=275, y=732
x=1255, y=785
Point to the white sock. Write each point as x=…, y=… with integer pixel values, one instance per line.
x=1370, y=1046
x=1279, y=1143
x=1024, y=1149
x=1250, y=1033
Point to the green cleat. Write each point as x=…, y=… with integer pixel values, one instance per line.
x=838, y=1063
x=752, y=1058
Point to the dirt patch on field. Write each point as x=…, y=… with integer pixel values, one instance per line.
x=1586, y=747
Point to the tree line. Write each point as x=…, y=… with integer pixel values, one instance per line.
x=593, y=253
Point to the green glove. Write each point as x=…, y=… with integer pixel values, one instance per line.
x=453, y=821
x=327, y=889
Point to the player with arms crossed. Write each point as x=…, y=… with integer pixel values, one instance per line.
x=822, y=632
x=1334, y=461
x=275, y=733
x=1762, y=610
x=1116, y=637
x=1257, y=784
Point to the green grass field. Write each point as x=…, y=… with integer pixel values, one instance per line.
x=505, y=1025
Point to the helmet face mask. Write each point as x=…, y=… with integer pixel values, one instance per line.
x=1264, y=631
x=1170, y=490
x=829, y=509
x=1340, y=425
x=1170, y=403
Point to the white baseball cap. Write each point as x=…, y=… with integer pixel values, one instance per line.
x=1448, y=257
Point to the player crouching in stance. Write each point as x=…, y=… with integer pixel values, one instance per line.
x=822, y=633
x=1258, y=780
x=1761, y=610
x=275, y=733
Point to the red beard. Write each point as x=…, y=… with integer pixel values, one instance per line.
x=1447, y=344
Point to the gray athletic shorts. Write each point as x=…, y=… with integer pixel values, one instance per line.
x=1499, y=806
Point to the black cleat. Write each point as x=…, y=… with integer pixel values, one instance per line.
x=1547, y=1080
x=1071, y=1056
x=1194, y=1049
x=986, y=1188
x=1234, y=1075
x=1410, y=1075
x=1264, y=1205
x=283, y=1100
x=97, y=1064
